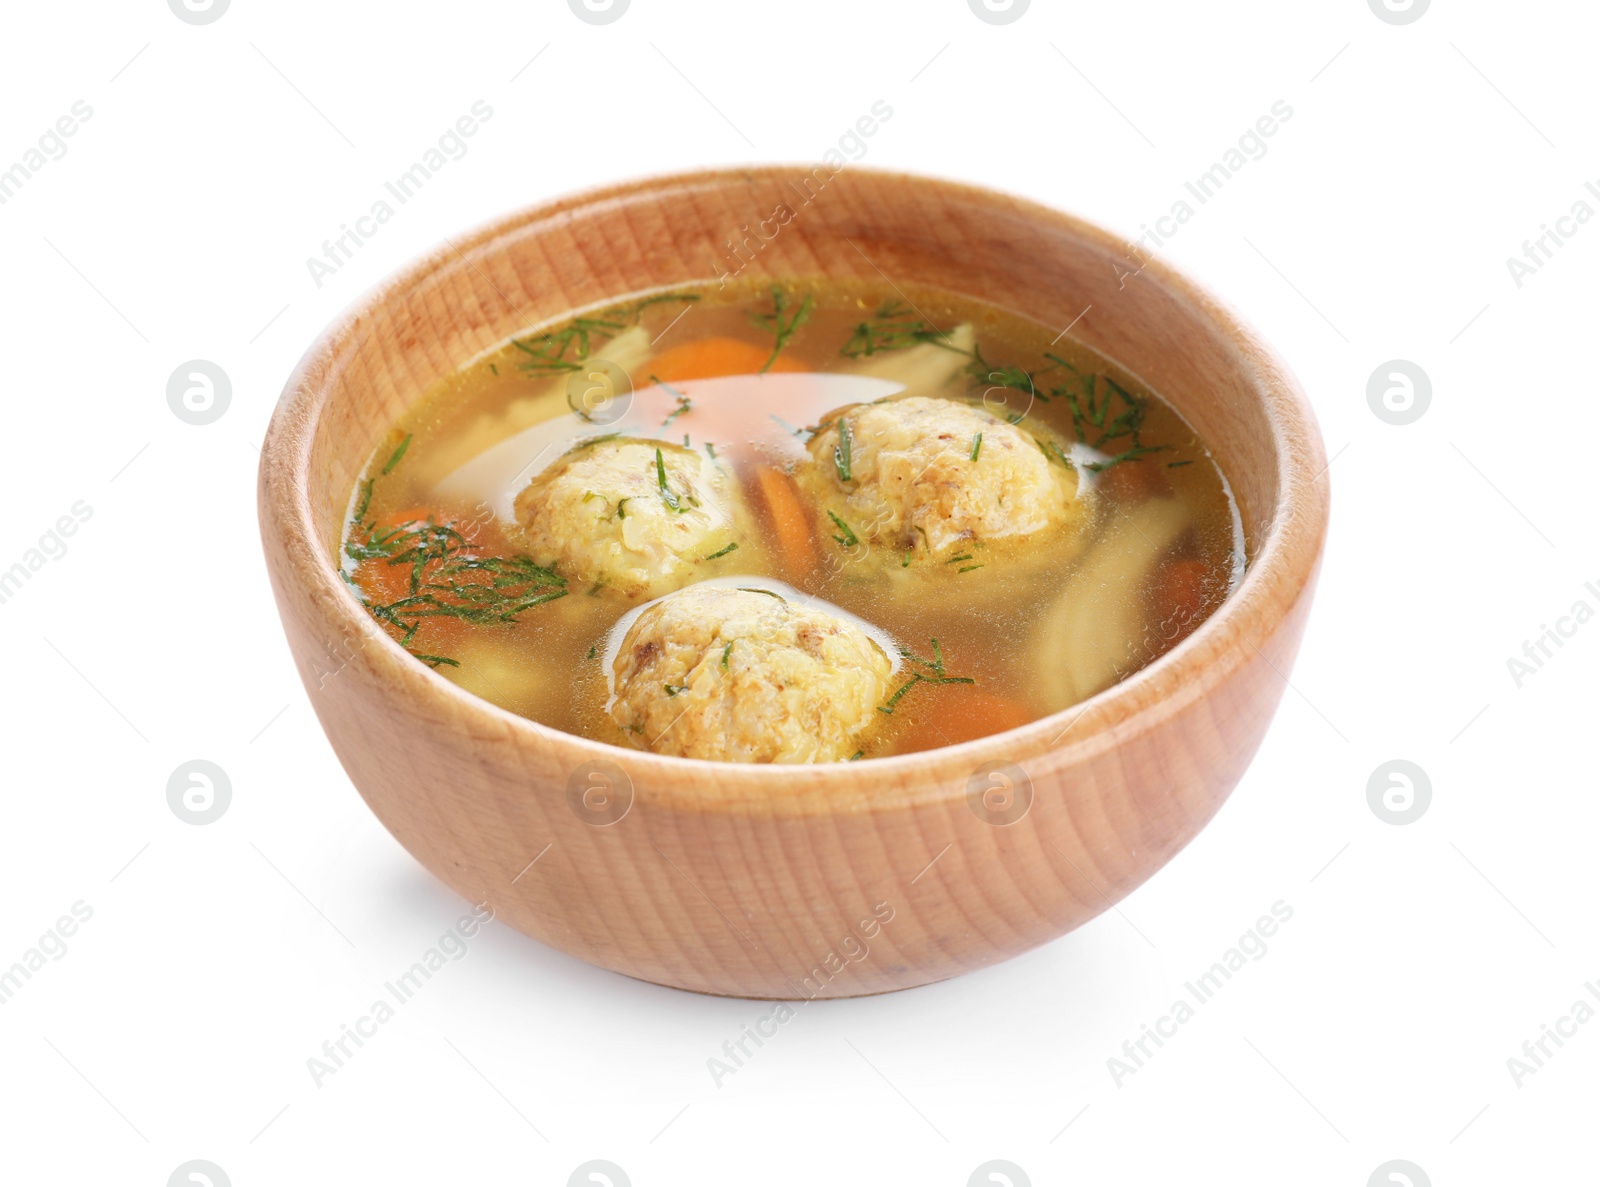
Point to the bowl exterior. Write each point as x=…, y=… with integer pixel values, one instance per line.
x=803, y=882
x=801, y=904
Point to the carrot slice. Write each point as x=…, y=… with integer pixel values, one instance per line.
x=959, y=713
x=1183, y=587
x=1134, y=480
x=710, y=358
x=384, y=583
x=379, y=580
x=790, y=525
x=1180, y=600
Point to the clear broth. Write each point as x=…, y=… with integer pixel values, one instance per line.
x=992, y=621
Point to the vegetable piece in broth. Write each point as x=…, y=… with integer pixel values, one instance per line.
x=966, y=476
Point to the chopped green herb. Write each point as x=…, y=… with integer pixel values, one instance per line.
x=567, y=348
x=594, y=651
x=856, y=756
x=894, y=699
x=621, y=503
x=841, y=451
x=934, y=666
x=668, y=496
x=1055, y=453
x=1126, y=455
x=594, y=590
x=673, y=690
x=394, y=458
x=1185, y=462
x=968, y=569
x=433, y=661
x=1013, y=378
x=782, y=330
x=365, y=501
x=905, y=561
x=636, y=310
x=849, y=539
x=684, y=403
x=723, y=551
x=965, y=556
x=1092, y=407
x=448, y=578
x=725, y=651
x=977, y=444
x=768, y=592
x=590, y=442
x=1129, y=421
x=891, y=328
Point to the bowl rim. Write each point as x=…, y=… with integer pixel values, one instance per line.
x=1286, y=561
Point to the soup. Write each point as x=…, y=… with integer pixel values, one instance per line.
x=791, y=523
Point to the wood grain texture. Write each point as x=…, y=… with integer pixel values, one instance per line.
x=794, y=882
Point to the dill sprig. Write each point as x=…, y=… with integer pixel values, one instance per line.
x=590, y=442
x=849, y=539
x=450, y=578
x=1127, y=455
x=565, y=349
x=1010, y=377
x=1054, y=452
x=569, y=345
x=891, y=328
x=394, y=458
x=633, y=312
x=774, y=323
x=841, y=451
x=679, y=503
x=1091, y=404
x=684, y=402
x=1104, y=414
x=932, y=672
x=434, y=661
x=667, y=494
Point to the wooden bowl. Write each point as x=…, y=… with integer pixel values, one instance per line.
x=794, y=881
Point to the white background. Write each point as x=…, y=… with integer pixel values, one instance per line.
x=219, y=958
